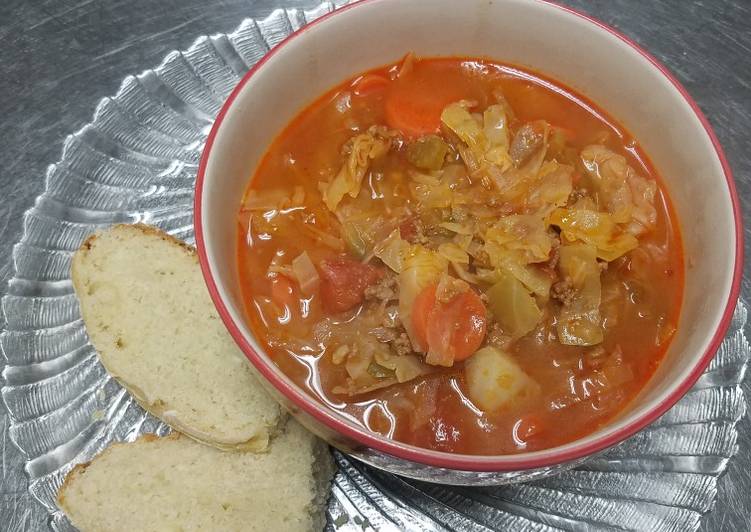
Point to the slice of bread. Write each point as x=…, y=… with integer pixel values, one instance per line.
x=148, y=313
x=174, y=483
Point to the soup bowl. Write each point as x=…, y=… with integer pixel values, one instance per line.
x=571, y=48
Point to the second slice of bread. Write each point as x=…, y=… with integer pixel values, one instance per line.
x=148, y=313
x=173, y=483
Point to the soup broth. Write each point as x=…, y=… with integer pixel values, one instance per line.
x=461, y=255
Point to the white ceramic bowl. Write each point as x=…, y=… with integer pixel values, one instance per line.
x=571, y=48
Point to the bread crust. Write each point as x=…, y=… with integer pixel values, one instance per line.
x=258, y=442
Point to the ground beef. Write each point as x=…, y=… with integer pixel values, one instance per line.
x=577, y=194
x=413, y=230
x=401, y=344
x=384, y=334
x=384, y=290
x=396, y=337
x=460, y=215
x=563, y=291
x=340, y=353
x=391, y=317
x=555, y=253
x=434, y=231
x=481, y=259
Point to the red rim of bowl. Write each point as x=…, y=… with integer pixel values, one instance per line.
x=504, y=463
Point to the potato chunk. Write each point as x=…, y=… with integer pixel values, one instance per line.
x=494, y=380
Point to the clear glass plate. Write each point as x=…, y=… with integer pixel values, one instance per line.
x=136, y=162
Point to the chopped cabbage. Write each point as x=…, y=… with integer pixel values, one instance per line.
x=356, y=238
x=608, y=172
x=433, y=196
x=455, y=174
x=512, y=186
x=529, y=146
x=392, y=251
x=551, y=189
x=513, y=307
x=628, y=197
x=526, y=234
x=363, y=148
x=644, y=214
x=468, y=128
x=459, y=229
x=579, y=322
x=527, y=140
x=486, y=137
x=595, y=228
x=425, y=179
x=494, y=220
x=453, y=253
x=371, y=366
x=495, y=128
x=357, y=364
x=362, y=227
x=404, y=367
x=516, y=241
x=463, y=241
x=495, y=380
x=462, y=271
x=513, y=262
x=420, y=267
x=369, y=362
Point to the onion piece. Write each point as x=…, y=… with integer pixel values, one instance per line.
x=305, y=273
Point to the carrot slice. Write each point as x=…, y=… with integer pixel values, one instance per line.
x=417, y=97
x=369, y=84
x=414, y=114
x=421, y=309
x=456, y=329
x=452, y=331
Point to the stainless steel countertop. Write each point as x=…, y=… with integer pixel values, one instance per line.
x=59, y=57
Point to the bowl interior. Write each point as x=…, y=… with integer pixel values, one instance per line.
x=536, y=35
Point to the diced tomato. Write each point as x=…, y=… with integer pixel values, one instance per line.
x=452, y=331
x=408, y=229
x=343, y=282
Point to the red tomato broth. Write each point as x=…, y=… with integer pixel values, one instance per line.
x=434, y=411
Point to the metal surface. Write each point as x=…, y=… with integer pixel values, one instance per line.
x=58, y=60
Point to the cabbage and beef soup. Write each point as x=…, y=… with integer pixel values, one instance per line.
x=461, y=255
